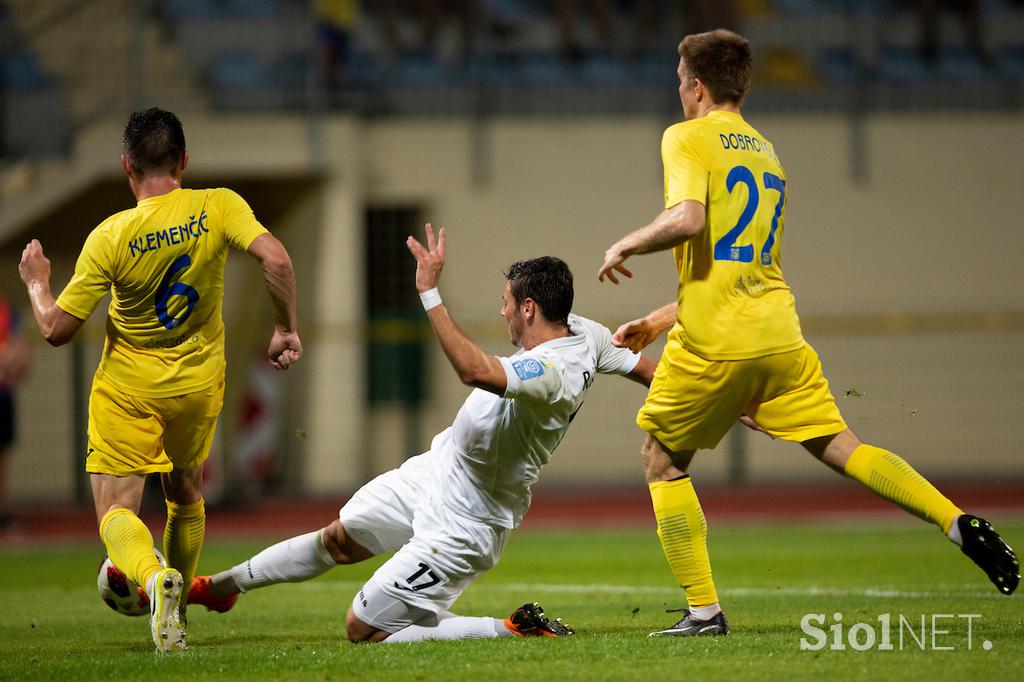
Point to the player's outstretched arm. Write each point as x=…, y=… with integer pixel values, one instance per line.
x=474, y=367
x=55, y=324
x=638, y=334
x=669, y=229
x=279, y=276
x=643, y=373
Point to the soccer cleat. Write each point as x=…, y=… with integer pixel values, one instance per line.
x=201, y=593
x=688, y=626
x=529, y=621
x=984, y=547
x=164, y=620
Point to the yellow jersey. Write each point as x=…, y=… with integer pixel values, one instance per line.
x=163, y=264
x=733, y=301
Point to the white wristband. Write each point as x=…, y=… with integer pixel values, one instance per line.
x=430, y=299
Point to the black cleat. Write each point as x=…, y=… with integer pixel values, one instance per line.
x=984, y=547
x=529, y=621
x=688, y=626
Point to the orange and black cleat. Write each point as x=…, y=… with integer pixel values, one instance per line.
x=529, y=621
x=202, y=594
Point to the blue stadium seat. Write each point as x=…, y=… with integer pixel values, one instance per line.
x=543, y=68
x=1011, y=61
x=218, y=9
x=605, y=68
x=839, y=66
x=365, y=69
x=904, y=65
x=419, y=69
x=238, y=70
x=964, y=65
x=21, y=72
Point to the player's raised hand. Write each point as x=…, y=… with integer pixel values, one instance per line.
x=285, y=349
x=429, y=259
x=613, y=263
x=34, y=266
x=636, y=334
x=753, y=425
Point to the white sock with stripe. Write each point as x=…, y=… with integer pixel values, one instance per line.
x=290, y=561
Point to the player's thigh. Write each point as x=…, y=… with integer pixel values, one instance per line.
x=125, y=433
x=693, y=402
x=426, y=576
x=796, y=404
x=379, y=516
x=116, y=492
x=191, y=426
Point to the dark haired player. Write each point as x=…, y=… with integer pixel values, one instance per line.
x=735, y=343
x=159, y=386
x=448, y=512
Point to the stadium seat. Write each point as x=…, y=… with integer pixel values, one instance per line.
x=21, y=71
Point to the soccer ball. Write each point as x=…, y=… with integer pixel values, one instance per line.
x=120, y=593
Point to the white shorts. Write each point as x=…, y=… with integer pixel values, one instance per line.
x=439, y=553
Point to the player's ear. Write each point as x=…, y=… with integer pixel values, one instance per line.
x=126, y=165
x=184, y=161
x=529, y=309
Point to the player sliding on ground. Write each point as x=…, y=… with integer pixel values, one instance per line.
x=160, y=383
x=735, y=343
x=448, y=512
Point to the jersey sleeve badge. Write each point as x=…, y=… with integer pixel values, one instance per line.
x=528, y=368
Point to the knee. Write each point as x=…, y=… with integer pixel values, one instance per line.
x=183, y=487
x=659, y=464
x=356, y=630
x=340, y=546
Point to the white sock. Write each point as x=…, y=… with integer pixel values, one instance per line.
x=151, y=586
x=705, y=612
x=954, y=533
x=453, y=627
x=290, y=561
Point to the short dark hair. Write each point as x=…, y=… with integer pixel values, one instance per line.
x=722, y=61
x=153, y=142
x=548, y=281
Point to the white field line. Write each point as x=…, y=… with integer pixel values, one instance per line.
x=598, y=588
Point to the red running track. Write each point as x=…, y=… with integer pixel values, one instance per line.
x=552, y=508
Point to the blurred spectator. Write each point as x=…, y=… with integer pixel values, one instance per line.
x=430, y=15
x=567, y=16
x=706, y=15
x=14, y=365
x=335, y=21
x=930, y=12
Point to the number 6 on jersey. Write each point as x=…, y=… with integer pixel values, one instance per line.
x=168, y=290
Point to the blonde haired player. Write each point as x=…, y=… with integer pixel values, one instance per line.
x=159, y=386
x=735, y=343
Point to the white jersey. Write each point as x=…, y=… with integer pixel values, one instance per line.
x=494, y=450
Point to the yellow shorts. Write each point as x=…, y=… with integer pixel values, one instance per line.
x=693, y=402
x=129, y=434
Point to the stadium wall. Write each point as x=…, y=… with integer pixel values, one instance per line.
x=905, y=281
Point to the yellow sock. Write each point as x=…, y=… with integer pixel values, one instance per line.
x=129, y=545
x=683, y=532
x=183, y=539
x=892, y=478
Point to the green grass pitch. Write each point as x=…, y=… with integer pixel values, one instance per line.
x=613, y=587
